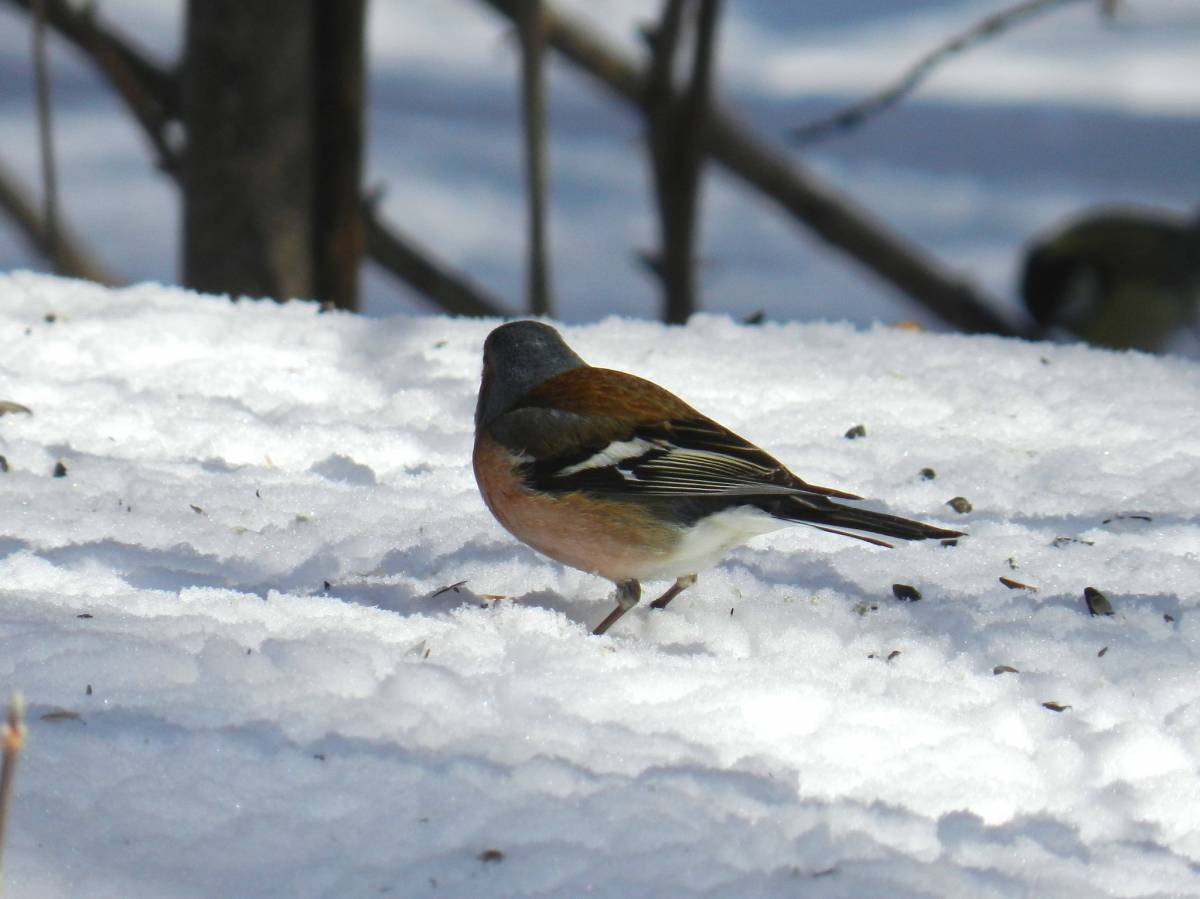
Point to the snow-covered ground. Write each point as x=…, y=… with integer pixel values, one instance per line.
x=246, y=676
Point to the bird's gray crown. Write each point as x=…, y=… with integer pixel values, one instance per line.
x=517, y=357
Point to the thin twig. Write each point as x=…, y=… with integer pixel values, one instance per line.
x=149, y=89
x=989, y=26
x=534, y=114
x=41, y=79
x=74, y=258
x=12, y=736
x=781, y=179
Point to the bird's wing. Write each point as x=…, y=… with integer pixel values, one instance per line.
x=680, y=458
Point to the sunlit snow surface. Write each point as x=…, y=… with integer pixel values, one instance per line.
x=261, y=503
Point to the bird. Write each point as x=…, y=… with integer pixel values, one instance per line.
x=1124, y=277
x=609, y=473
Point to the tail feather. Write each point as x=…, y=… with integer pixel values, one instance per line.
x=832, y=516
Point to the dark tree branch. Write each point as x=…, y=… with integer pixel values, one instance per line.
x=677, y=137
x=45, y=120
x=990, y=26
x=339, y=236
x=148, y=88
x=662, y=125
x=417, y=267
x=73, y=258
x=534, y=115
x=830, y=215
x=151, y=92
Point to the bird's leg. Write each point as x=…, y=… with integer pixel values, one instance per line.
x=628, y=594
x=674, y=590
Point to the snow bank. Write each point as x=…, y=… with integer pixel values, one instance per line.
x=237, y=586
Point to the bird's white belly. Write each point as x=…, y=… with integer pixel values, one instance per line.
x=703, y=546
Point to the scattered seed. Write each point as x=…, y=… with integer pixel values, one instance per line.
x=861, y=608
x=1055, y=706
x=1060, y=542
x=1130, y=517
x=88, y=691
x=50, y=318
x=1016, y=585
x=1097, y=602
x=906, y=592
x=491, y=856
x=60, y=470
x=1102, y=652
x=447, y=589
x=1012, y=563
x=319, y=756
x=927, y=474
x=196, y=509
x=326, y=586
x=893, y=654
x=856, y=432
x=1005, y=669
x=755, y=318
x=1168, y=618
x=960, y=504
x=84, y=615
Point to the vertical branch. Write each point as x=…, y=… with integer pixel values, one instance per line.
x=339, y=235
x=534, y=115
x=694, y=133
x=247, y=170
x=678, y=135
x=659, y=107
x=12, y=737
x=41, y=75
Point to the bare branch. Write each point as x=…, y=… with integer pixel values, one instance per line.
x=73, y=258
x=339, y=238
x=414, y=265
x=989, y=26
x=45, y=120
x=534, y=110
x=148, y=88
x=833, y=217
x=677, y=137
x=151, y=91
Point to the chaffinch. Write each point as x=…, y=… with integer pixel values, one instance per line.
x=610, y=473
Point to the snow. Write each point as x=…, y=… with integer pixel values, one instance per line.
x=246, y=562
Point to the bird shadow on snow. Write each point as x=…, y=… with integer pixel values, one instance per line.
x=181, y=566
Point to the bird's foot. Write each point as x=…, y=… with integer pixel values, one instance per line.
x=674, y=590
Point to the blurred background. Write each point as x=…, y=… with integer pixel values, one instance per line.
x=1078, y=113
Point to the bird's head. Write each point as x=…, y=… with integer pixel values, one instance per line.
x=517, y=357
